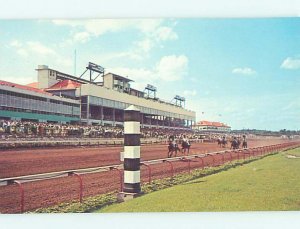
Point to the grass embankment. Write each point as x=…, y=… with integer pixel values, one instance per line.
x=269, y=184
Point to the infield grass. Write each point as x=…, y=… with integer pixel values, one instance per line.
x=272, y=183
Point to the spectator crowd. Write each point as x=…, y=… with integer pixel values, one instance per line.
x=24, y=129
x=13, y=129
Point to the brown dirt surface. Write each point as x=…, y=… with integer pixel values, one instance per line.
x=50, y=192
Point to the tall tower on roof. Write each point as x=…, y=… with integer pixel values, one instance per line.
x=46, y=77
x=116, y=82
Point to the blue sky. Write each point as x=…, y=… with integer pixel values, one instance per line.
x=244, y=72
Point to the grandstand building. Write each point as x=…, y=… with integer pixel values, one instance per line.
x=63, y=98
x=207, y=126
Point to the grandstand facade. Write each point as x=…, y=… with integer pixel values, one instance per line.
x=63, y=98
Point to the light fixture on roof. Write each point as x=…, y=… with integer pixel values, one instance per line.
x=92, y=67
x=179, y=101
x=151, y=91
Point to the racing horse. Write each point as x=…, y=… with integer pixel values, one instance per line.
x=219, y=142
x=245, y=145
x=222, y=142
x=173, y=148
x=235, y=143
x=185, y=147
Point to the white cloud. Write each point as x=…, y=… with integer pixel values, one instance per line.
x=39, y=48
x=291, y=63
x=145, y=45
x=140, y=75
x=40, y=52
x=244, y=71
x=81, y=37
x=166, y=33
x=99, y=27
x=35, y=47
x=169, y=68
x=15, y=43
x=172, y=68
x=152, y=33
x=190, y=93
x=137, y=73
x=148, y=25
x=72, y=23
x=22, y=52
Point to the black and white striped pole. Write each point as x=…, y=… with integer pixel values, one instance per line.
x=132, y=149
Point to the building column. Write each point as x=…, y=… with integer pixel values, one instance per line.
x=142, y=115
x=101, y=114
x=132, y=150
x=88, y=110
x=114, y=117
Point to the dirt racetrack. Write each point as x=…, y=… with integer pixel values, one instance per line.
x=50, y=192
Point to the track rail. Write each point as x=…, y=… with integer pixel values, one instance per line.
x=64, y=173
x=248, y=152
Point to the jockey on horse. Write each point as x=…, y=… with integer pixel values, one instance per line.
x=219, y=142
x=245, y=145
x=222, y=142
x=185, y=145
x=172, y=147
x=234, y=143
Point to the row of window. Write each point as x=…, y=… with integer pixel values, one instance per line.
x=120, y=105
x=13, y=101
x=35, y=111
x=37, y=98
x=25, y=96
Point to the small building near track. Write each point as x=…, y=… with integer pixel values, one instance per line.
x=207, y=126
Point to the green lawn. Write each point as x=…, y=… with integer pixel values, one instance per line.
x=272, y=183
x=294, y=152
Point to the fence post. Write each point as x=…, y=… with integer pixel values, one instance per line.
x=254, y=152
x=231, y=158
x=21, y=189
x=244, y=154
x=80, y=184
x=120, y=175
x=202, y=162
x=172, y=168
x=132, y=148
x=249, y=153
x=189, y=163
x=238, y=155
x=212, y=158
x=223, y=158
x=149, y=172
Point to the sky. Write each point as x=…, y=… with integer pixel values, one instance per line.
x=243, y=72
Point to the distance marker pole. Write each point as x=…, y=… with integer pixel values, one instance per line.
x=132, y=147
